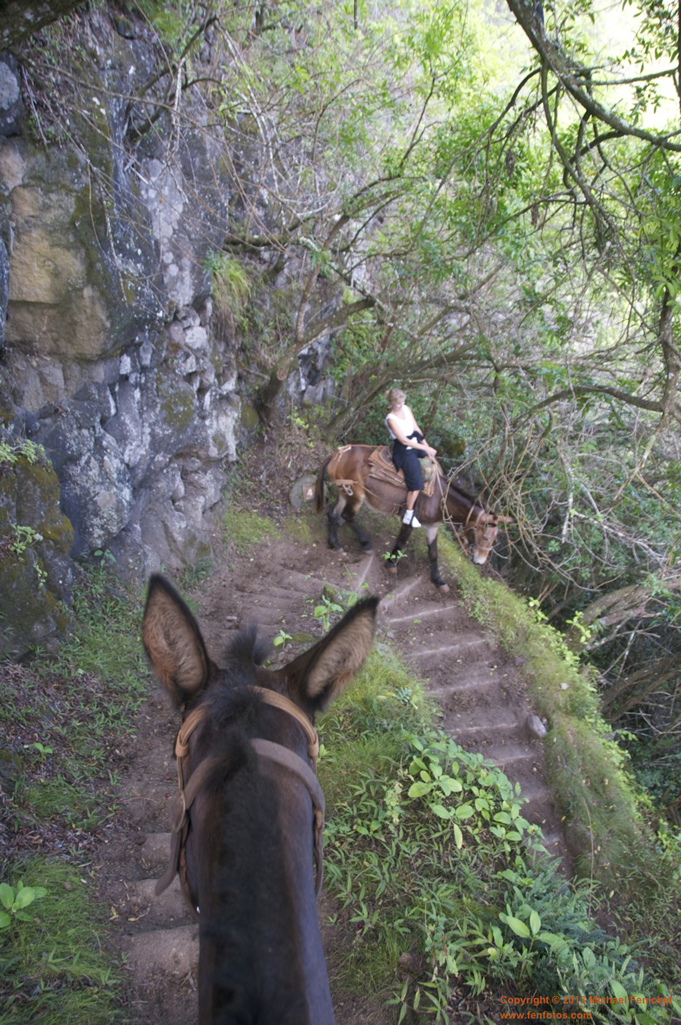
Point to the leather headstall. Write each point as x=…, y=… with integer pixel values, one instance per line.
x=264, y=749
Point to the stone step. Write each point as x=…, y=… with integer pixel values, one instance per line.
x=540, y=808
x=154, y=852
x=453, y=652
x=461, y=685
x=360, y=572
x=152, y=806
x=513, y=753
x=173, y=951
x=468, y=734
x=303, y=583
x=270, y=593
x=424, y=613
x=266, y=618
x=169, y=909
x=449, y=651
x=554, y=843
x=401, y=594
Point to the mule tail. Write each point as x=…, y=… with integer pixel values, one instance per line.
x=319, y=486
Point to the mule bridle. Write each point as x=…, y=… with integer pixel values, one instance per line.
x=277, y=753
x=470, y=521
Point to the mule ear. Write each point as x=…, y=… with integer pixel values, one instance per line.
x=173, y=642
x=321, y=673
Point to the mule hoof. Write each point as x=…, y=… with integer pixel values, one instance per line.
x=443, y=588
x=367, y=547
x=392, y=570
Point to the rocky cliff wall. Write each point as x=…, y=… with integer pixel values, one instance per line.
x=109, y=359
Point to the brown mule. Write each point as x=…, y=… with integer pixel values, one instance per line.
x=353, y=470
x=249, y=823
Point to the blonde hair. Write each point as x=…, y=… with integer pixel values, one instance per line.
x=395, y=396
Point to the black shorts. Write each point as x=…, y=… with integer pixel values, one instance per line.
x=408, y=460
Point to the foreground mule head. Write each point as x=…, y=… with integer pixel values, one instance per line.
x=246, y=753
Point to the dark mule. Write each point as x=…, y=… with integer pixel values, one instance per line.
x=358, y=478
x=245, y=844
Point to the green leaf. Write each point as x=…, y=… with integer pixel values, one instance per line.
x=618, y=989
x=518, y=927
x=464, y=811
x=535, y=922
x=554, y=940
x=418, y=789
x=6, y=895
x=5, y=920
x=441, y=811
x=588, y=957
x=458, y=837
x=24, y=897
x=449, y=785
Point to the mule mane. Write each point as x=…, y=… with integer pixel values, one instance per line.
x=245, y=808
x=449, y=486
x=245, y=648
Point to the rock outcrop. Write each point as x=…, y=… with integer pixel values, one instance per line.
x=108, y=358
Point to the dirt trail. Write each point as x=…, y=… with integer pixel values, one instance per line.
x=476, y=685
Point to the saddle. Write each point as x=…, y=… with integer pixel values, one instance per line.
x=383, y=468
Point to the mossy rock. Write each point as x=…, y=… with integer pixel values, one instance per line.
x=35, y=567
x=249, y=417
x=177, y=399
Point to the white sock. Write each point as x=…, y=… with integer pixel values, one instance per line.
x=410, y=518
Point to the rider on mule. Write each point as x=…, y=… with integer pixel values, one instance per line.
x=409, y=446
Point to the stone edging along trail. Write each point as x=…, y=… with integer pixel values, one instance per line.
x=477, y=686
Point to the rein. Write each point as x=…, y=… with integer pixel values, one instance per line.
x=273, y=752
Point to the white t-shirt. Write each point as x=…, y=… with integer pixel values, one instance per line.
x=408, y=424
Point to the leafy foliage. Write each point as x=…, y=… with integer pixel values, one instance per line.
x=55, y=968
x=437, y=869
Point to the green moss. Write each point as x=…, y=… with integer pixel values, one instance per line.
x=246, y=530
x=249, y=417
x=594, y=791
x=30, y=613
x=35, y=538
x=38, y=490
x=176, y=398
x=299, y=530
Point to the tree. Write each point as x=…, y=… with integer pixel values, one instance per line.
x=340, y=185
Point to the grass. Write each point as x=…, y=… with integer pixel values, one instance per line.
x=588, y=772
x=245, y=530
x=56, y=968
x=442, y=884
x=63, y=718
